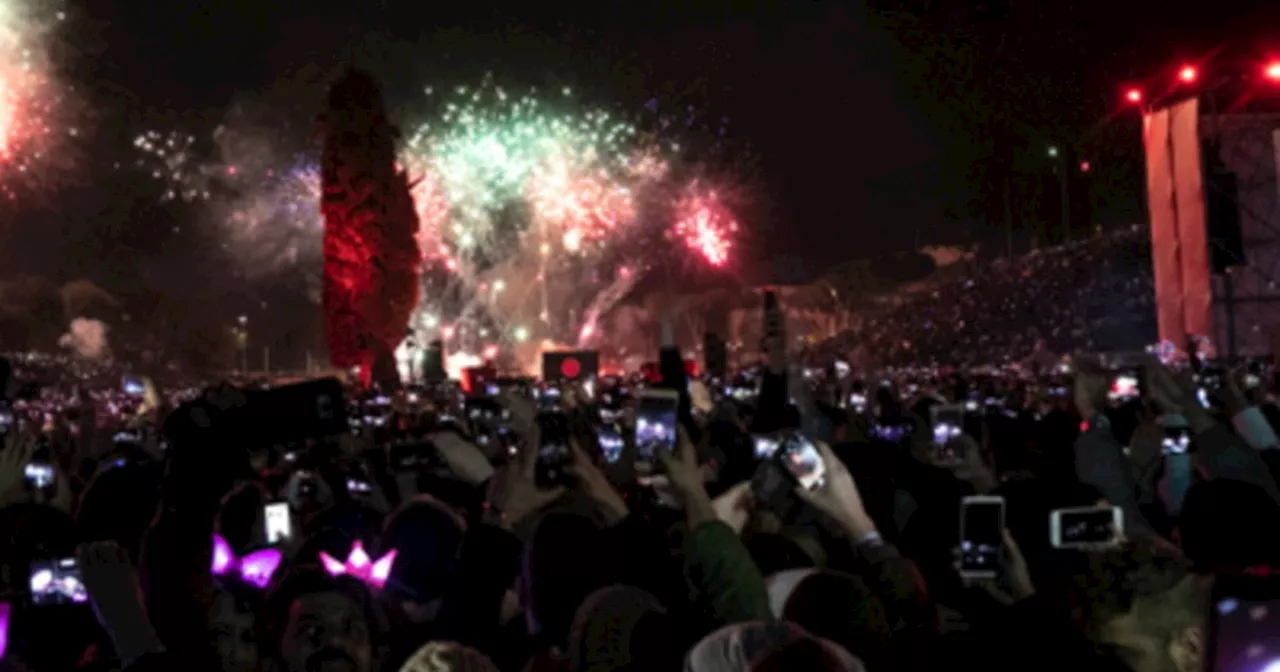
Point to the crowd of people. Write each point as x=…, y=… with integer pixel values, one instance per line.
x=156, y=525
x=1092, y=295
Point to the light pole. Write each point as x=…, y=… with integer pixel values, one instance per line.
x=243, y=334
x=1060, y=167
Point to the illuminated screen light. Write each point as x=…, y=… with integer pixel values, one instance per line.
x=1272, y=71
x=1133, y=95
x=1188, y=74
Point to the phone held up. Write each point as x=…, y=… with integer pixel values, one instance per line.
x=56, y=582
x=1176, y=441
x=1244, y=616
x=552, y=466
x=655, y=426
x=1087, y=527
x=278, y=522
x=801, y=461
x=981, y=536
x=948, y=424
x=132, y=386
x=788, y=460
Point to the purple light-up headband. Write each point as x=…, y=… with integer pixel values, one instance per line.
x=359, y=565
x=255, y=569
x=4, y=627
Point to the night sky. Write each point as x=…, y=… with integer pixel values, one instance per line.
x=862, y=130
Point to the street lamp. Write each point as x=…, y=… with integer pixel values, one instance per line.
x=1060, y=167
x=244, y=343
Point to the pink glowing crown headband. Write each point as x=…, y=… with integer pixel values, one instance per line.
x=359, y=565
x=4, y=627
x=255, y=569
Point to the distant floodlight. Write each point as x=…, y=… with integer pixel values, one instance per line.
x=1188, y=74
x=1133, y=95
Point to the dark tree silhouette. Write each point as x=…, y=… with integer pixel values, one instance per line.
x=371, y=258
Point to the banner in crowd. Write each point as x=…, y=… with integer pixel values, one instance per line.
x=1179, y=239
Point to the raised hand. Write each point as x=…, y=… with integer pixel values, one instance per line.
x=838, y=496
x=596, y=485
x=682, y=469
x=734, y=506
x=513, y=491
x=116, y=594
x=1165, y=388
x=685, y=476
x=1014, y=584
x=1089, y=390
x=970, y=468
x=14, y=458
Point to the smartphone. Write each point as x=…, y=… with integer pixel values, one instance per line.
x=132, y=386
x=743, y=393
x=655, y=428
x=1243, y=618
x=39, y=474
x=307, y=486
x=891, y=433
x=408, y=456
x=951, y=453
x=127, y=437
x=948, y=422
x=765, y=446
x=1087, y=526
x=981, y=536
x=773, y=486
x=549, y=399
x=278, y=522
x=57, y=582
x=358, y=487
x=611, y=443
x=800, y=459
x=552, y=467
x=1124, y=387
x=1210, y=378
x=457, y=448
x=1177, y=440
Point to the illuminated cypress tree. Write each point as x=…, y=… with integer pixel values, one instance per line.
x=371, y=258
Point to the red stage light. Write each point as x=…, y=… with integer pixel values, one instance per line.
x=1133, y=95
x=1188, y=74
x=1272, y=71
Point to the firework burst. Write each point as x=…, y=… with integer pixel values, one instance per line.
x=30, y=99
x=537, y=213
x=705, y=225
x=170, y=158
